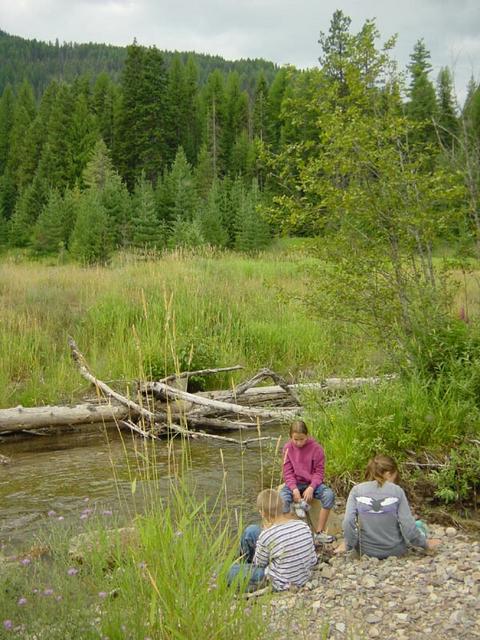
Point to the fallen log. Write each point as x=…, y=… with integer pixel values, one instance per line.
x=21, y=418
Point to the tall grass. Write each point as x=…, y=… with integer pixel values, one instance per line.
x=180, y=311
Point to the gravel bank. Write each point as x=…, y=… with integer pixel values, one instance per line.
x=411, y=598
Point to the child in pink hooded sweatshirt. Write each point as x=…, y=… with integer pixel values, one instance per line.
x=303, y=471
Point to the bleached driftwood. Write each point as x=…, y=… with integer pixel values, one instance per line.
x=21, y=418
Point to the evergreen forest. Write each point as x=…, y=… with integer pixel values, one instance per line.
x=105, y=148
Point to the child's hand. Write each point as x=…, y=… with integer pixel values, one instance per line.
x=432, y=543
x=296, y=495
x=308, y=494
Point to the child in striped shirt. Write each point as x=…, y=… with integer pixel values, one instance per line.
x=282, y=551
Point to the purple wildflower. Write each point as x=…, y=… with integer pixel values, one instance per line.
x=25, y=561
x=72, y=571
x=51, y=513
x=21, y=601
x=48, y=592
x=107, y=512
x=102, y=594
x=87, y=511
x=7, y=624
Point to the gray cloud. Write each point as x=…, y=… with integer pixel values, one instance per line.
x=285, y=31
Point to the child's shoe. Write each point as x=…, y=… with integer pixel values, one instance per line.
x=301, y=508
x=323, y=538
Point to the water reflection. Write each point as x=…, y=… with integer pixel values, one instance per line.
x=94, y=469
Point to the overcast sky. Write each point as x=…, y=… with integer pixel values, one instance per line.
x=284, y=31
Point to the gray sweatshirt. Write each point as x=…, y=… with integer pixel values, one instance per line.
x=378, y=521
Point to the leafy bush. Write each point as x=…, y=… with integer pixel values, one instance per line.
x=459, y=479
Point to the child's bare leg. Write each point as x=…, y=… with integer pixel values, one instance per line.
x=322, y=519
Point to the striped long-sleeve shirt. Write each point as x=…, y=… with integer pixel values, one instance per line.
x=287, y=552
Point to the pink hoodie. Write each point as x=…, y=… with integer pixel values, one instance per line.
x=303, y=464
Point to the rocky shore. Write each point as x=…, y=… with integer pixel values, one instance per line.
x=411, y=598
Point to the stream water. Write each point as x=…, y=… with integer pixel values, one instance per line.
x=71, y=476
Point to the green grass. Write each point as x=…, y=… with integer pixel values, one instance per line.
x=168, y=583
x=180, y=311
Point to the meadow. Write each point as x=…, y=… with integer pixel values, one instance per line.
x=147, y=317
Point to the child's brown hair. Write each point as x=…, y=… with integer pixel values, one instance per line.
x=270, y=504
x=298, y=426
x=378, y=466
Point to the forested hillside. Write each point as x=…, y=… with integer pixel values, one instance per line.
x=103, y=148
x=41, y=62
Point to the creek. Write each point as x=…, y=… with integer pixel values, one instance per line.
x=70, y=476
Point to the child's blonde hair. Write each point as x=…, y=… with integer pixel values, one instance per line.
x=270, y=504
x=298, y=426
x=379, y=466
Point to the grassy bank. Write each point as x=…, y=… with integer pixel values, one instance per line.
x=140, y=588
x=180, y=312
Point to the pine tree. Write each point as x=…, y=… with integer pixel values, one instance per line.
x=186, y=233
x=422, y=105
x=103, y=100
x=91, y=240
x=146, y=231
x=191, y=137
x=214, y=114
x=7, y=106
x=48, y=233
x=83, y=135
x=447, y=119
x=182, y=188
x=336, y=50
x=213, y=231
x=143, y=116
x=56, y=166
x=203, y=173
x=253, y=231
x=236, y=118
x=275, y=98
x=100, y=175
x=260, y=110
x=23, y=218
x=35, y=138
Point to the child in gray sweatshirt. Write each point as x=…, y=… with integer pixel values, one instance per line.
x=378, y=521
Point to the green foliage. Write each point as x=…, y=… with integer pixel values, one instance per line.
x=458, y=480
x=91, y=240
x=49, y=230
x=146, y=232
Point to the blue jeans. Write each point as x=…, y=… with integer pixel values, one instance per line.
x=243, y=569
x=322, y=493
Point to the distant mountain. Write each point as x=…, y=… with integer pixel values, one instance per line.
x=40, y=62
